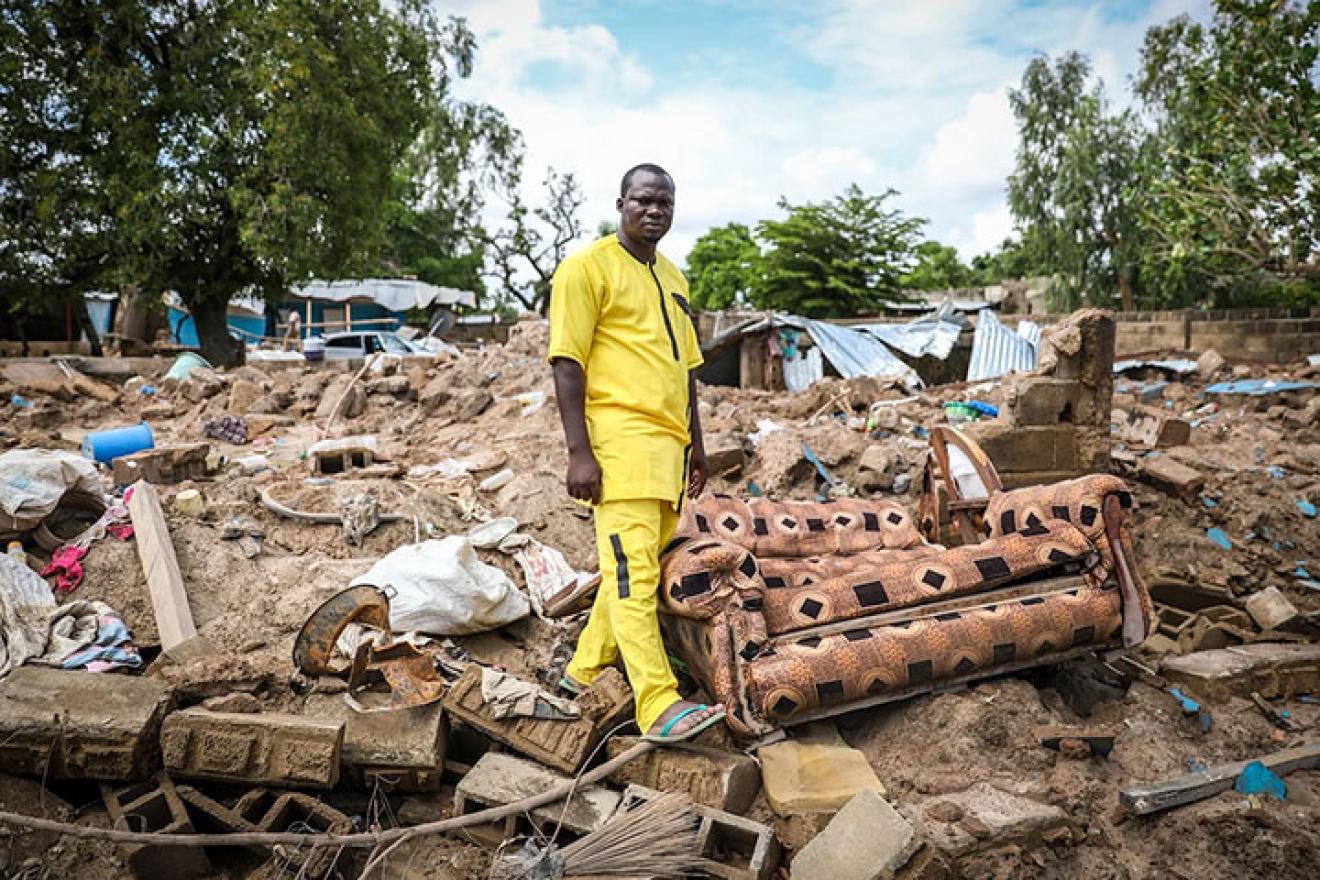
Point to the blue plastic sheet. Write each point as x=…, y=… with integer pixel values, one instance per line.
x=1256, y=778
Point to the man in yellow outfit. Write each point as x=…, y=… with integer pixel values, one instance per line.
x=623, y=349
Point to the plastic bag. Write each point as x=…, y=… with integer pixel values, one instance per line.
x=441, y=587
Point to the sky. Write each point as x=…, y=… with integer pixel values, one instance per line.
x=744, y=102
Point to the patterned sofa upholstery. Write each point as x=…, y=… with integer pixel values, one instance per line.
x=791, y=611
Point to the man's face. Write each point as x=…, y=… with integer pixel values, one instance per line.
x=647, y=211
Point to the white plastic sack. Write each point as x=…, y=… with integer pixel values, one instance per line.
x=32, y=482
x=442, y=588
x=26, y=603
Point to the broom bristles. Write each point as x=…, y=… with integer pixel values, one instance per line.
x=658, y=839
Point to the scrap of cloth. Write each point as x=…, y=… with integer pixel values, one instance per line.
x=510, y=697
x=90, y=635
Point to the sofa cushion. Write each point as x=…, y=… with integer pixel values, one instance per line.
x=798, y=528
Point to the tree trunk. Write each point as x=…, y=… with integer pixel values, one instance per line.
x=1125, y=290
x=218, y=347
x=84, y=321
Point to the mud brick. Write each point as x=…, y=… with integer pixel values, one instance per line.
x=287, y=750
x=155, y=806
x=563, y=745
x=164, y=464
x=403, y=749
x=1171, y=477
x=866, y=840
x=738, y=848
x=714, y=778
x=499, y=779
x=1270, y=669
x=291, y=811
x=69, y=724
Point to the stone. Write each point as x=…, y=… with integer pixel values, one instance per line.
x=163, y=465
x=1270, y=608
x=1268, y=668
x=355, y=399
x=1077, y=741
x=944, y=811
x=435, y=394
x=727, y=781
x=242, y=394
x=397, y=386
x=1208, y=364
x=867, y=840
x=201, y=384
x=498, y=779
x=996, y=817
x=1171, y=477
x=239, y=702
x=70, y=724
x=276, y=749
x=738, y=848
x=471, y=403
x=724, y=453
x=155, y=806
x=403, y=749
x=877, y=468
x=813, y=777
x=1074, y=749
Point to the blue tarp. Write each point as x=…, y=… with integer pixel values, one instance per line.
x=1258, y=387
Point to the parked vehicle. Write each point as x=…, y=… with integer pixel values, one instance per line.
x=361, y=344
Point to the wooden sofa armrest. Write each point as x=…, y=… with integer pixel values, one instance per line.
x=965, y=510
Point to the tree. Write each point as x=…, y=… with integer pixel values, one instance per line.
x=937, y=268
x=525, y=253
x=1236, y=106
x=722, y=267
x=1078, y=171
x=1011, y=260
x=240, y=145
x=835, y=259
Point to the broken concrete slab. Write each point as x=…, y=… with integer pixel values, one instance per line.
x=403, y=749
x=866, y=840
x=737, y=848
x=814, y=777
x=162, y=465
x=988, y=814
x=276, y=749
x=1171, y=477
x=1268, y=668
x=1270, y=608
x=77, y=725
x=727, y=781
x=498, y=779
x=1153, y=428
x=155, y=806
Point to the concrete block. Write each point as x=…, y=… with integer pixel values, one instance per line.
x=1270, y=608
x=341, y=454
x=155, y=806
x=498, y=779
x=866, y=840
x=1171, y=477
x=1268, y=668
x=563, y=745
x=727, y=781
x=211, y=816
x=291, y=811
x=402, y=749
x=69, y=724
x=987, y=818
x=1016, y=449
x=1208, y=364
x=1042, y=401
x=164, y=464
x=276, y=749
x=724, y=452
x=813, y=777
x=1153, y=428
x=738, y=848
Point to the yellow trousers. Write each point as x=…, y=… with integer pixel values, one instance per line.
x=629, y=537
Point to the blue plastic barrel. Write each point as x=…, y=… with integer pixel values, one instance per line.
x=105, y=446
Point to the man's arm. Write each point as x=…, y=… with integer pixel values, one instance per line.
x=698, y=469
x=583, y=481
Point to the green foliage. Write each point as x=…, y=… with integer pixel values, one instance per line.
x=1235, y=181
x=834, y=259
x=1010, y=261
x=1078, y=169
x=722, y=267
x=937, y=268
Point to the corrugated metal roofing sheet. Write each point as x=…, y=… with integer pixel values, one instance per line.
x=997, y=350
x=853, y=352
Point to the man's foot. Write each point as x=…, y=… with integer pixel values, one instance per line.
x=683, y=720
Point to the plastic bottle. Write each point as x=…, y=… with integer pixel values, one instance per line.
x=15, y=552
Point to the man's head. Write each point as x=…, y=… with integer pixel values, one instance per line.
x=646, y=203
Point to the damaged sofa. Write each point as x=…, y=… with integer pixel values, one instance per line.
x=787, y=612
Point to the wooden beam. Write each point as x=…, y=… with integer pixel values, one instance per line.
x=169, y=600
x=1145, y=799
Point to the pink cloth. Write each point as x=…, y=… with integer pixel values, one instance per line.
x=66, y=565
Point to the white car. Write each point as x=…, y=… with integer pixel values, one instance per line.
x=362, y=344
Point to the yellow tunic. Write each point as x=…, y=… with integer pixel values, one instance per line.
x=626, y=323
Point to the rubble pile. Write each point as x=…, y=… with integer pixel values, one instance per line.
x=314, y=600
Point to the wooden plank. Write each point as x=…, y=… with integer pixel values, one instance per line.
x=169, y=600
x=1145, y=799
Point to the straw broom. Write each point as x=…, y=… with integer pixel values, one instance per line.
x=658, y=839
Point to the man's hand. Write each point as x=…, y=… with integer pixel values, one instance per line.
x=583, y=476
x=698, y=471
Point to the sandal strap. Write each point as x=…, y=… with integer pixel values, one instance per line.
x=664, y=731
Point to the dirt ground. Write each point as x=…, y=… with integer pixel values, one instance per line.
x=495, y=409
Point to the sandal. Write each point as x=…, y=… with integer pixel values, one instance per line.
x=570, y=686
x=665, y=737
